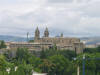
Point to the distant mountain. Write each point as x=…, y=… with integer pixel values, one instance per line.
x=91, y=40
x=87, y=40
x=8, y=38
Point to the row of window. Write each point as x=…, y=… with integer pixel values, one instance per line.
x=59, y=41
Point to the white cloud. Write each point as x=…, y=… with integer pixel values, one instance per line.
x=73, y=18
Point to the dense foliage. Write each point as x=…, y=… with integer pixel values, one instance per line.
x=2, y=44
x=51, y=61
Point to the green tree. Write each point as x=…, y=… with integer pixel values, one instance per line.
x=2, y=44
x=3, y=65
x=68, y=54
x=47, y=67
x=35, y=62
x=31, y=41
x=61, y=63
x=22, y=54
x=43, y=54
x=90, y=65
x=51, y=52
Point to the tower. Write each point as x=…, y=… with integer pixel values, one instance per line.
x=27, y=36
x=37, y=33
x=61, y=34
x=46, y=32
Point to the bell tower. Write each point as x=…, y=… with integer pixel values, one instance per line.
x=61, y=34
x=37, y=34
x=46, y=32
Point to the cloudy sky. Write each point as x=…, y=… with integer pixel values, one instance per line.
x=72, y=17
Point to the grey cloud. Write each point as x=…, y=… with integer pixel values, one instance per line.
x=74, y=21
x=60, y=1
x=93, y=10
x=68, y=1
x=80, y=1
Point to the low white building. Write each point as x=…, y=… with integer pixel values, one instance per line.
x=35, y=73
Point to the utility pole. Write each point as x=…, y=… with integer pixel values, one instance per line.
x=83, y=64
x=78, y=69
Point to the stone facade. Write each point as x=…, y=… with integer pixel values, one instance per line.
x=46, y=42
x=61, y=42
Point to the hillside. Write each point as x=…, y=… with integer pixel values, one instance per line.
x=88, y=40
x=12, y=38
x=91, y=40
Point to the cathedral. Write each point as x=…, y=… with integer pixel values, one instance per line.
x=61, y=42
x=47, y=42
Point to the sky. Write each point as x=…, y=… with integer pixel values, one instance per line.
x=73, y=18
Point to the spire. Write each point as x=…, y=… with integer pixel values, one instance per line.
x=46, y=29
x=61, y=34
x=37, y=30
x=46, y=32
x=37, y=33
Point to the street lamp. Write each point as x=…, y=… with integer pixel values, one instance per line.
x=83, y=63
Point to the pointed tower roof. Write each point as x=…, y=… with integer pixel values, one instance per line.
x=61, y=34
x=37, y=33
x=37, y=30
x=46, y=32
x=46, y=29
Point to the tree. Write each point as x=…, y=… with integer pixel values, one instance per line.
x=61, y=63
x=2, y=62
x=68, y=54
x=31, y=41
x=3, y=65
x=35, y=62
x=47, y=67
x=90, y=65
x=51, y=52
x=43, y=54
x=2, y=44
x=22, y=54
